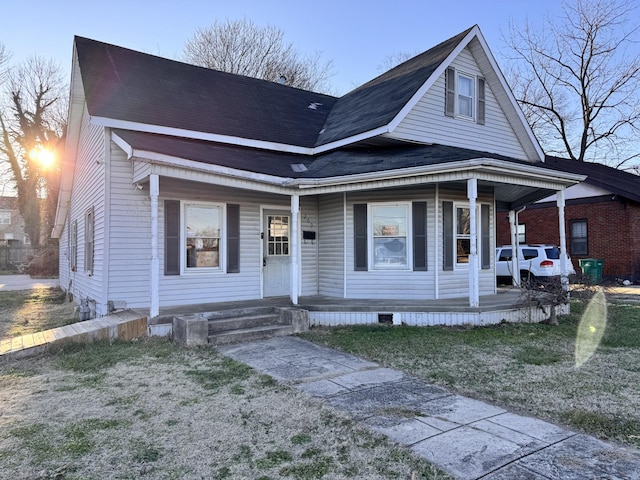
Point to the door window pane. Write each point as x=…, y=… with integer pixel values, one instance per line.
x=278, y=235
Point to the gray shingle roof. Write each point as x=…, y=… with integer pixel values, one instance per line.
x=376, y=103
x=346, y=161
x=123, y=84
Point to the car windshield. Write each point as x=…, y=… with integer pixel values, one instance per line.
x=553, y=253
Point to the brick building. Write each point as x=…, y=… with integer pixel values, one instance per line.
x=602, y=219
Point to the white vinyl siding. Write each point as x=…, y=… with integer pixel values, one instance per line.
x=392, y=283
x=309, y=247
x=331, y=246
x=427, y=122
x=88, y=191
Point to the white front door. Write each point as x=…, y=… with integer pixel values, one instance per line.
x=276, y=262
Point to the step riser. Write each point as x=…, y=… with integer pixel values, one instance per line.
x=245, y=336
x=229, y=324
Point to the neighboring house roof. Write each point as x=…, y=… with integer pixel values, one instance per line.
x=615, y=181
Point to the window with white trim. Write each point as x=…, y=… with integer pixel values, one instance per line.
x=466, y=95
x=73, y=246
x=390, y=236
x=202, y=235
x=89, y=226
x=463, y=234
x=5, y=217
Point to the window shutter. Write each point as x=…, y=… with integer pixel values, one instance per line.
x=89, y=240
x=360, y=236
x=419, y=222
x=481, y=102
x=450, y=92
x=171, y=237
x=485, y=260
x=447, y=235
x=233, y=238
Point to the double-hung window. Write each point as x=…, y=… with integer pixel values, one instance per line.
x=5, y=217
x=390, y=235
x=464, y=96
x=578, y=237
x=463, y=234
x=202, y=225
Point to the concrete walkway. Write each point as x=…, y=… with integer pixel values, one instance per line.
x=465, y=437
x=25, y=282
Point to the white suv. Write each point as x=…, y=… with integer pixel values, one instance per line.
x=537, y=262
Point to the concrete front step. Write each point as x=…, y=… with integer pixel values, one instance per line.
x=252, y=333
x=219, y=325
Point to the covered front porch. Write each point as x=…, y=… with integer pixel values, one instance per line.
x=507, y=305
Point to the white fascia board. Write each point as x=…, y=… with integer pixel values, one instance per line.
x=432, y=79
x=212, y=137
x=509, y=93
x=349, y=140
x=158, y=158
x=74, y=123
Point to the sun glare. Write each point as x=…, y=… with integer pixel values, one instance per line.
x=591, y=328
x=43, y=156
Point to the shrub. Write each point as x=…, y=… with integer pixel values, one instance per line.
x=45, y=264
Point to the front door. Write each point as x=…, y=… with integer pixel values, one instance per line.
x=276, y=262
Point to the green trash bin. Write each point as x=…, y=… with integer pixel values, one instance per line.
x=592, y=268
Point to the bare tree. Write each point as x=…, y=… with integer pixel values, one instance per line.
x=577, y=79
x=242, y=47
x=32, y=123
x=394, y=59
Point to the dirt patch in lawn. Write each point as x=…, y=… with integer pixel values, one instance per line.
x=153, y=410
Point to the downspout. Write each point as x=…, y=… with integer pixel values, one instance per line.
x=438, y=244
x=344, y=245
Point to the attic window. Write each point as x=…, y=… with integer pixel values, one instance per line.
x=314, y=105
x=298, y=167
x=464, y=96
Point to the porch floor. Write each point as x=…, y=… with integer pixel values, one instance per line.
x=505, y=299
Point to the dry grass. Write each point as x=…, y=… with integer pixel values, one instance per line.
x=24, y=312
x=153, y=410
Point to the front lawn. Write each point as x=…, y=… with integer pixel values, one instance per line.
x=30, y=311
x=527, y=368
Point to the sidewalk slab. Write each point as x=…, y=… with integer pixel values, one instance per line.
x=468, y=438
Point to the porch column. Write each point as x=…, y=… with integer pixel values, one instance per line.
x=515, y=263
x=564, y=279
x=474, y=288
x=154, y=191
x=295, y=242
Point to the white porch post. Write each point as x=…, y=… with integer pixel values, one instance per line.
x=515, y=263
x=563, y=242
x=474, y=287
x=295, y=242
x=154, y=191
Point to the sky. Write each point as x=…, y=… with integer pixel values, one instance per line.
x=356, y=36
